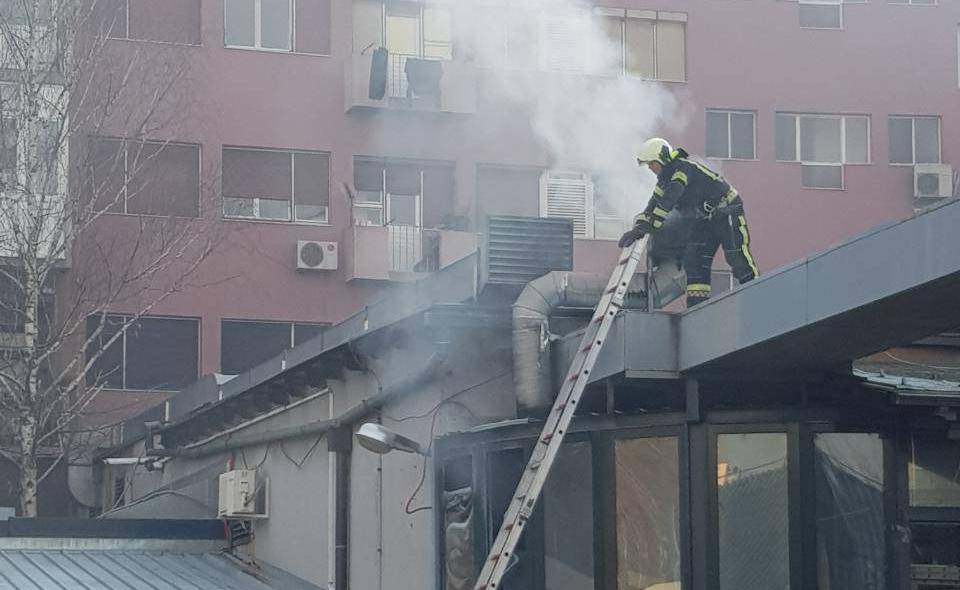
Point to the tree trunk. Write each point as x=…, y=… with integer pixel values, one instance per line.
x=27, y=464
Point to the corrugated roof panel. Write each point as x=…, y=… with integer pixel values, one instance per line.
x=120, y=570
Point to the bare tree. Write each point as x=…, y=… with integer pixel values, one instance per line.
x=79, y=118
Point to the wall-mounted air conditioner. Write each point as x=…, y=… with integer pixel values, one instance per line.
x=317, y=255
x=932, y=181
x=242, y=495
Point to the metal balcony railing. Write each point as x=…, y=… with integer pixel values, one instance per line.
x=413, y=249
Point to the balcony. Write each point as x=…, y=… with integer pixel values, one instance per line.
x=458, y=87
x=403, y=252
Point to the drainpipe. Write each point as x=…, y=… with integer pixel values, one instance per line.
x=532, y=377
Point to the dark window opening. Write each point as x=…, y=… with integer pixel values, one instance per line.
x=246, y=344
x=170, y=21
x=151, y=354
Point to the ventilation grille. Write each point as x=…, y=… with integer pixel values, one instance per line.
x=520, y=249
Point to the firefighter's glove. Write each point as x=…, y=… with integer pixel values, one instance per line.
x=641, y=228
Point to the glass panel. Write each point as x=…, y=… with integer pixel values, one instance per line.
x=368, y=176
x=162, y=353
x=934, y=472
x=257, y=173
x=648, y=513
x=671, y=58
x=568, y=520
x=741, y=136
x=937, y=544
x=820, y=139
x=274, y=209
x=404, y=210
x=311, y=179
x=316, y=213
x=107, y=370
x=753, y=510
x=823, y=176
x=901, y=140
x=275, y=24
x=786, y=137
x=165, y=179
x=720, y=282
x=403, y=179
x=403, y=29
x=504, y=469
x=367, y=216
x=638, y=36
x=244, y=345
x=927, y=131
x=718, y=130
x=239, y=207
x=851, y=544
x=437, y=34
x=522, y=47
x=820, y=16
x=858, y=151
x=608, y=58
x=459, y=569
x=238, y=20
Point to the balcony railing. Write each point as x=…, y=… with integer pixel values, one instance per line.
x=413, y=249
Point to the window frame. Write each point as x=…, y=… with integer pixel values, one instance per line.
x=292, y=215
x=913, y=3
x=258, y=29
x=838, y=3
x=292, y=342
x=622, y=16
x=728, y=113
x=589, y=204
x=913, y=138
x=128, y=177
x=122, y=342
x=842, y=117
x=129, y=38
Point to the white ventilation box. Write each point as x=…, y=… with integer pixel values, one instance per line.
x=240, y=496
x=932, y=181
x=317, y=255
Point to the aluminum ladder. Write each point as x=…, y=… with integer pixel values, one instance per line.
x=561, y=415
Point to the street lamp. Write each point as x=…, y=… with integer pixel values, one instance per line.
x=380, y=440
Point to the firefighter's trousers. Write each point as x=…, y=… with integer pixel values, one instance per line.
x=723, y=228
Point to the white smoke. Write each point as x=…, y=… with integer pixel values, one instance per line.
x=586, y=113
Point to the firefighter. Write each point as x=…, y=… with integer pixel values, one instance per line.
x=713, y=207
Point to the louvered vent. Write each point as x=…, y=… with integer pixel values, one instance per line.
x=568, y=195
x=565, y=39
x=520, y=249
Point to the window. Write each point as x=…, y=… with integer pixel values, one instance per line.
x=153, y=353
x=721, y=281
x=9, y=136
x=915, y=2
x=246, y=344
x=568, y=523
x=402, y=192
x=914, y=140
x=848, y=475
x=823, y=144
x=648, y=513
x=934, y=472
x=752, y=502
x=646, y=43
x=302, y=26
x=170, y=21
x=144, y=177
x=821, y=14
x=47, y=166
x=731, y=135
x=273, y=184
x=609, y=206
x=412, y=33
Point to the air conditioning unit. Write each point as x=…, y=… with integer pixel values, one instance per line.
x=932, y=181
x=316, y=255
x=241, y=496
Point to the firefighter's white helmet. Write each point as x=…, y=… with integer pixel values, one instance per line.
x=655, y=149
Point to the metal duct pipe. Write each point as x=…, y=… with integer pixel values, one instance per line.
x=319, y=427
x=531, y=329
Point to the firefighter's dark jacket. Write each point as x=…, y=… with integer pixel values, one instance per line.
x=688, y=185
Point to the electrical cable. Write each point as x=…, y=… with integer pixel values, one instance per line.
x=423, y=472
x=243, y=457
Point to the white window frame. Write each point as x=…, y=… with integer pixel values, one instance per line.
x=292, y=216
x=728, y=112
x=838, y=3
x=656, y=17
x=843, y=137
x=257, y=29
x=913, y=138
x=913, y=3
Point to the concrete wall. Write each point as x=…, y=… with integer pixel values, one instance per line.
x=741, y=54
x=389, y=548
